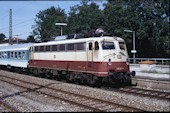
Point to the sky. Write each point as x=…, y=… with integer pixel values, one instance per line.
x=24, y=13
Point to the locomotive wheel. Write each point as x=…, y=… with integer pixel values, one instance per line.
x=127, y=80
x=83, y=79
x=59, y=76
x=35, y=72
x=90, y=80
x=99, y=82
x=70, y=77
x=94, y=81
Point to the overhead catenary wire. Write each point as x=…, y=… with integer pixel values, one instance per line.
x=28, y=20
x=25, y=21
x=14, y=11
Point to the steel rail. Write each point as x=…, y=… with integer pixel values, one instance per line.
x=87, y=104
x=8, y=106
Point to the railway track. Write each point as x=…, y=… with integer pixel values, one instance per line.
x=146, y=92
x=8, y=107
x=151, y=84
x=88, y=103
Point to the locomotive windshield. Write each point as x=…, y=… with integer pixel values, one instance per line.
x=108, y=45
x=122, y=45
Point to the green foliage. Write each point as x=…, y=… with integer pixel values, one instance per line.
x=2, y=37
x=31, y=38
x=45, y=27
x=149, y=19
x=85, y=18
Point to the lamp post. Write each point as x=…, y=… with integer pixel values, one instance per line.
x=133, y=51
x=61, y=24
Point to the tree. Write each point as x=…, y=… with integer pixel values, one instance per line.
x=31, y=38
x=45, y=27
x=2, y=37
x=149, y=19
x=84, y=18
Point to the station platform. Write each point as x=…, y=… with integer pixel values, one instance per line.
x=151, y=71
x=151, y=76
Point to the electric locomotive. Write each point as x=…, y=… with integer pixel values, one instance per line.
x=92, y=60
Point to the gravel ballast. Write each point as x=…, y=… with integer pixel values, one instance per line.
x=27, y=101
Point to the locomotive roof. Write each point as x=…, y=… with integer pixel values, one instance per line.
x=14, y=47
x=111, y=38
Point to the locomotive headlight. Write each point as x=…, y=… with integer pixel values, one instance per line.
x=119, y=57
x=109, y=62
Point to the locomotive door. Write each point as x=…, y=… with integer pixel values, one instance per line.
x=31, y=53
x=90, y=54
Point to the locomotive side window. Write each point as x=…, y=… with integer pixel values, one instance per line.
x=62, y=47
x=70, y=47
x=54, y=48
x=80, y=46
x=36, y=48
x=41, y=48
x=90, y=46
x=108, y=45
x=48, y=48
x=122, y=45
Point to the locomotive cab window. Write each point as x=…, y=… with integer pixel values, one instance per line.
x=108, y=45
x=90, y=46
x=122, y=45
x=96, y=45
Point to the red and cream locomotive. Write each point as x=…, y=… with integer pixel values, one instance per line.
x=92, y=60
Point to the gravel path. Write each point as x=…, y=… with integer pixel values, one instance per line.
x=27, y=101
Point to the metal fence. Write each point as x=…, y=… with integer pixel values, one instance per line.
x=163, y=61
